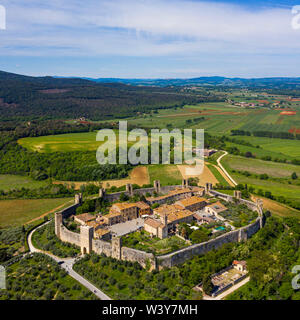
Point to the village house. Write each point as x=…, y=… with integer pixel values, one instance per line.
x=203, y=220
x=173, y=195
x=240, y=265
x=84, y=218
x=121, y=212
x=193, y=203
x=215, y=209
x=102, y=234
x=143, y=208
x=156, y=228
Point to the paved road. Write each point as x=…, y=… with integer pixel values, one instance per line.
x=223, y=169
x=67, y=264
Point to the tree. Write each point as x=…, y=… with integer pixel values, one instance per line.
x=294, y=176
x=207, y=285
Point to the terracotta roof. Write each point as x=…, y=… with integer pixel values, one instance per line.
x=190, y=201
x=85, y=217
x=180, y=214
x=102, y=232
x=217, y=206
x=153, y=223
x=242, y=262
x=170, y=194
x=123, y=205
x=142, y=205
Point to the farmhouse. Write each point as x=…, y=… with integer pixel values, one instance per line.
x=240, y=265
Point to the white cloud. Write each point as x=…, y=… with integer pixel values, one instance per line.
x=144, y=28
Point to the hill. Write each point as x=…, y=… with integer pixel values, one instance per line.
x=25, y=97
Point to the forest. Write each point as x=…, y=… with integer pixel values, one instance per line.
x=30, y=98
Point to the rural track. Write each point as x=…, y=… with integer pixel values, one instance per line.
x=223, y=169
x=67, y=265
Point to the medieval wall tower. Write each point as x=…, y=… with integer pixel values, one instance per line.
x=86, y=239
x=116, y=243
x=157, y=186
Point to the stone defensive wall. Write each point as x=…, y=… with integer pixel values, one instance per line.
x=180, y=256
x=85, y=239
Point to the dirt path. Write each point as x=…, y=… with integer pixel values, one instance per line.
x=224, y=176
x=51, y=211
x=138, y=175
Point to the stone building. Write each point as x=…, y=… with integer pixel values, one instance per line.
x=193, y=203
x=84, y=218
x=143, y=208
x=215, y=209
x=121, y=212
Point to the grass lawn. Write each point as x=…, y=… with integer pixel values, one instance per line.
x=143, y=241
x=167, y=174
x=10, y=181
x=18, y=212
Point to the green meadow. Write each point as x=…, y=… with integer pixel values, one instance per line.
x=286, y=147
x=10, y=182
x=167, y=174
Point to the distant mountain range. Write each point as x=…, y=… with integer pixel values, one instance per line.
x=219, y=81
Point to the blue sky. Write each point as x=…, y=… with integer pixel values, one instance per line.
x=150, y=39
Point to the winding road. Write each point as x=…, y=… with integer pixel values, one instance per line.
x=67, y=264
x=223, y=169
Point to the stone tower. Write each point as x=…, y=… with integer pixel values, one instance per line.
x=129, y=189
x=157, y=186
x=259, y=205
x=101, y=193
x=78, y=198
x=58, y=222
x=237, y=194
x=243, y=236
x=208, y=187
x=86, y=239
x=116, y=243
x=185, y=183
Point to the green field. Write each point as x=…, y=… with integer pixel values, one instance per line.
x=218, y=175
x=167, y=174
x=287, y=148
x=10, y=182
x=18, y=212
x=84, y=141
x=278, y=182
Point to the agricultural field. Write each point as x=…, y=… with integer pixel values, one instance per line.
x=286, y=147
x=83, y=141
x=19, y=212
x=10, y=182
x=278, y=183
x=167, y=174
